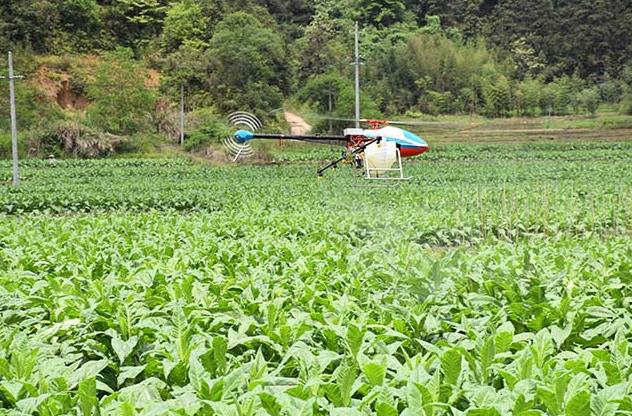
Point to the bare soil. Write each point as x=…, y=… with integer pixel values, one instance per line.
x=298, y=126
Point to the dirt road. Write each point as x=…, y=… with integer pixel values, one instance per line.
x=298, y=126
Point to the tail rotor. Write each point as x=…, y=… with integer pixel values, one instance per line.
x=239, y=148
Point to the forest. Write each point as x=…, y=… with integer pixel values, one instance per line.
x=113, y=69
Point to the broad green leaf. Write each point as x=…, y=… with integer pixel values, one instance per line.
x=121, y=348
x=578, y=405
x=560, y=335
x=385, y=409
x=346, y=379
x=354, y=339
x=375, y=372
x=487, y=354
x=220, y=348
x=126, y=373
x=11, y=390
x=87, y=393
x=86, y=371
x=483, y=412
x=31, y=404
x=270, y=404
x=451, y=362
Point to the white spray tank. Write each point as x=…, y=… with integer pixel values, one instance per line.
x=380, y=156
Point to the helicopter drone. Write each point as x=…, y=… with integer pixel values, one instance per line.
x=375, y=149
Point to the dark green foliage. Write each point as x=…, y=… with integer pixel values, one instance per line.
x=122, y=102
x=380, y=13
x=247, y=65
x=626, y=105
x=30, y=22
x=318, y=91
x=81, y=20
x=509, y=58
x=212, y=130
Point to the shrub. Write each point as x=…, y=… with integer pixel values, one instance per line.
x=212, y=130
x=625, y=107
x=73, y=139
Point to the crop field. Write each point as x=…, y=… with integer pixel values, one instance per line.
x=498, y=281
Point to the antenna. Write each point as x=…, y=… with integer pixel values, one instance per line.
x=357, y=64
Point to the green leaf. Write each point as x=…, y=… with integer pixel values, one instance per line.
x=127, y=373
x=560, y=335
x=220, y=348
x=345, y=380
x=579, y=404
x=31, y=404
x=121, y=348
x=87, y=393
x=417, y=396
x=270, y=404
x=346, y=411
x=549, y=398
x=127, y=409
x=451, y=362
x=487, y=354
x=375, y=372
x=385, y=409
x=483, y=412
x=354, y=338
x=88, y=370
x=503, y=341
x=11, y=390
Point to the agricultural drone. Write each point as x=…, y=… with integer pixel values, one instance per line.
x=375, y=149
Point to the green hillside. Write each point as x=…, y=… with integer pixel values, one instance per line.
x=115, y=67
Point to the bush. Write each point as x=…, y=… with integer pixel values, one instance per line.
x=213, y=130
x=122, y=103
x=73, y=139
x=589, y=99
x=625, y=107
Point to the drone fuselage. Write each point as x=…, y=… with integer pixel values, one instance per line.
x=409, y=144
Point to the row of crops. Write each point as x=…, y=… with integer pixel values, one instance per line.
x=490, y=285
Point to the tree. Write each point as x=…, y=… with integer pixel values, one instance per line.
x=321, y=50
x=30, y=23
x=589, y=99
x=382, y=13
x=184, y=24
x=497, y=96
x=530, y=90
x=132, y=23
x=248, y=66
x=338, y=88
x=122, y=102
x=81, y=21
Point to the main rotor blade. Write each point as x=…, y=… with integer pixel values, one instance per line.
x=392, y=122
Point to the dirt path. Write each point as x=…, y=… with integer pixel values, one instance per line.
x=298, y=126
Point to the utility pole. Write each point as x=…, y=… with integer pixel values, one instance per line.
x=331, y=105
x=14, y=127
x=357, y=75
x=181, y=113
